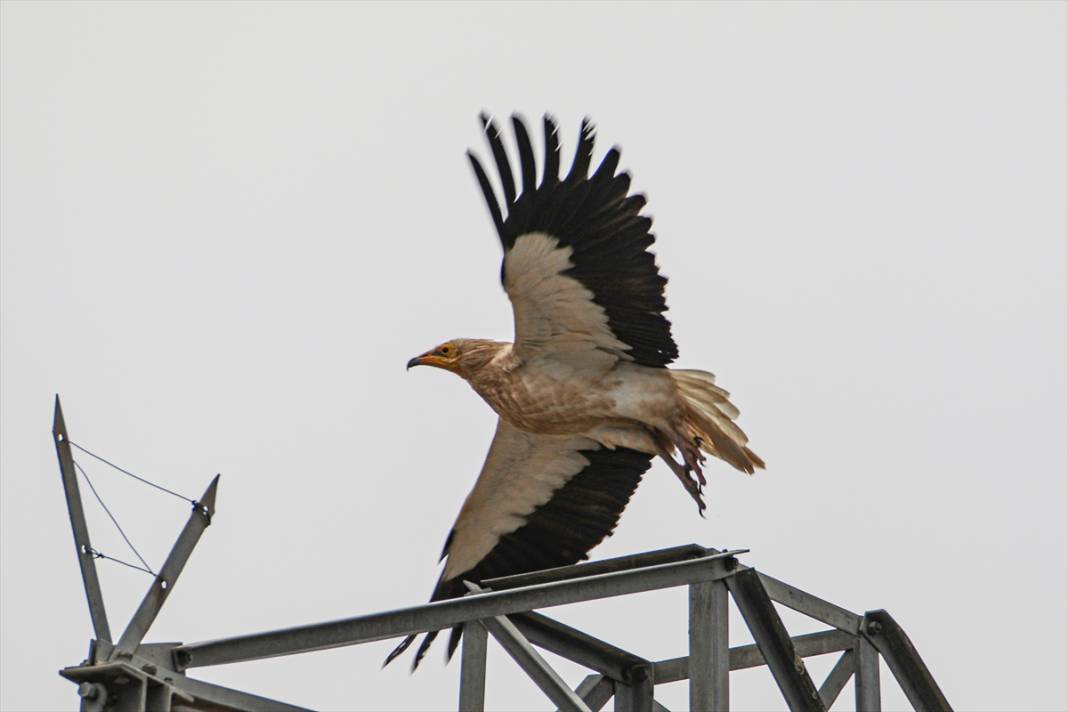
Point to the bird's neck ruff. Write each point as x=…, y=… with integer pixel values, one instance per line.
x=477, y=354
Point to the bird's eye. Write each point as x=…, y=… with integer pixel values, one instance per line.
x=445, y=350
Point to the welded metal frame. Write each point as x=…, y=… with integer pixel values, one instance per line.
x=133, y=676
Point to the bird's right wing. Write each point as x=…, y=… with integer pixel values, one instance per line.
x=541, y=501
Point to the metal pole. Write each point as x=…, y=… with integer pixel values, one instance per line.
x=866, y=678
x=709, y=662
x=161, y=587
x=95, y=598
x=473, y=668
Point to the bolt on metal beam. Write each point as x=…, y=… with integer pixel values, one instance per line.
x=904, y=662
x=86, y=562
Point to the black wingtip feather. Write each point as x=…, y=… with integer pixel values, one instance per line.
x=493, y=136
x=487, y=193
x=527, y=167
x=551, y=174
x=398, y=650
x=584, y=151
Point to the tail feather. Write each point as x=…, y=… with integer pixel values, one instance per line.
x=710, y=418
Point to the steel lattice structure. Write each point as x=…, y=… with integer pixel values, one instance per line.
x=133, y=676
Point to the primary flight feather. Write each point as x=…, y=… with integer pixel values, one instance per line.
x=584, y=397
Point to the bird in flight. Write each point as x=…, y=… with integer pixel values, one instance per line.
x=584, y=396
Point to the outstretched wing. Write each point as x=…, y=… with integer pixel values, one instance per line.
x=576, y=267
x=540, y=501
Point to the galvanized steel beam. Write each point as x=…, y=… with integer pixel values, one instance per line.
x=604, y=566
x=770, y=635
x=527, y=658
x=904, y=662
x=595, y=691
x=811, y=606
x=163, y=584
x=577, y=646
x=97, y=613
x=473, y=668
x=445, y=614
x=749, y=656
x=637, y=695
x=837, y=678
x=866, y=689
x=708, y=665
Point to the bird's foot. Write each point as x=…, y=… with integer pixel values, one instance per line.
x=691, y=455
x=691, y=485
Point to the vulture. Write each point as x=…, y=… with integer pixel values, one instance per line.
x=584, y=396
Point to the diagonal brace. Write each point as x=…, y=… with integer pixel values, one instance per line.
x=774, y=642
x=163, y=584
x=530, y=661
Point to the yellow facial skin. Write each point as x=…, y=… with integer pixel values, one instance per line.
x=444, y=356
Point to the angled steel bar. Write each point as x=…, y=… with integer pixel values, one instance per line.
x=595, y=691
x=533, y=664
x=444, y=614
x=163, y=584
x=904, y=661
x=806, y=645
x=866, y=678
x=749, y=656
x=473, y=668
x=709, y=660
x=770, y=635
x=97, y=613
x=837, y=678
x=577, y=646
x=604, y=566
x=811, y=606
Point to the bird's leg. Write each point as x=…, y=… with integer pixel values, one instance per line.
x=691, y=455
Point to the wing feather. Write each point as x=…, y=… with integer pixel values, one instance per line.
x=493, y=135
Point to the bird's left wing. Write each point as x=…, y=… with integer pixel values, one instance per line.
x=540, y=501
x=576, y=262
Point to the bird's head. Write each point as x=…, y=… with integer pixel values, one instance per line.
x=464, y=357
x=446, y=356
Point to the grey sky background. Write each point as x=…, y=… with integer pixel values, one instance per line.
x=226, y=227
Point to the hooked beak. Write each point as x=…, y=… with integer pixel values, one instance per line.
x=417, y=361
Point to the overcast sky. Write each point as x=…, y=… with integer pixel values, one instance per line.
x=226, y=227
